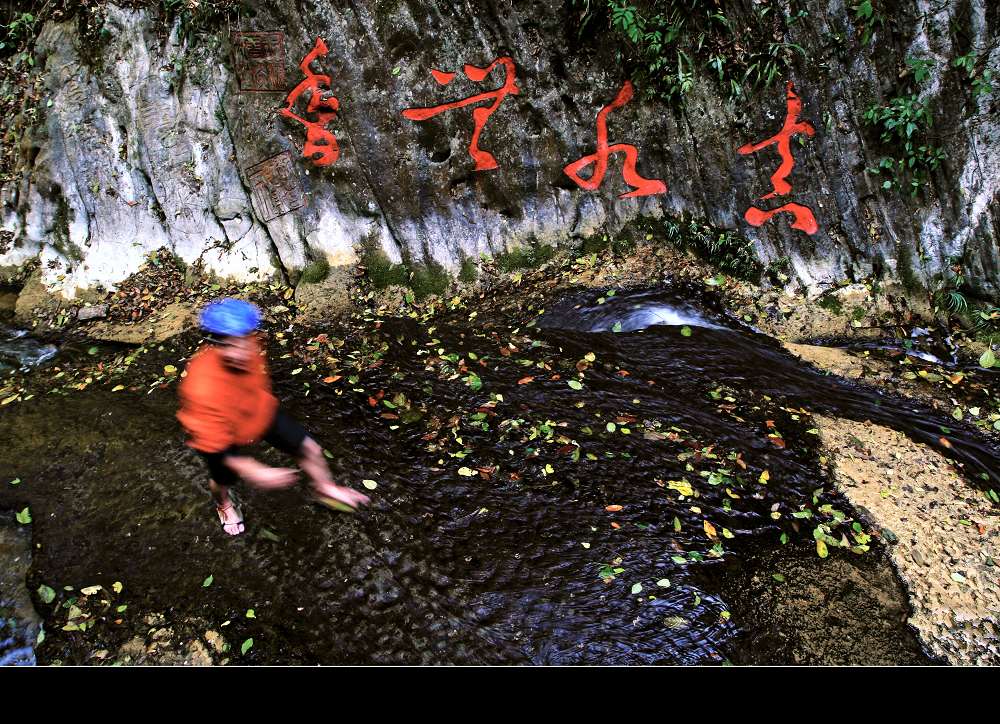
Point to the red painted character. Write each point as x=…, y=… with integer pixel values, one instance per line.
x=803, y=215
x=642, y=186
x=484, y=159
x=321, y=145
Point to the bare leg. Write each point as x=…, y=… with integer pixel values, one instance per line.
x=314, y=465
x=229, y=514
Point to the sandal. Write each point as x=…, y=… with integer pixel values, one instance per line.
x=231, y=527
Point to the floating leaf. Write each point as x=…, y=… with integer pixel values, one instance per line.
x=117, y=586
x=663, y=583
x=988, y=359
x=681, y=486
x=686, y=331
x=821, y=549
x=269, y=535
x=613, y=508
x=466, y=472
x=370, y=484
x=169, y=370
x=710, y=530
x=636, y=589
x=208, y=581
x=15, y=481
x=24, y=517
x=118, y=388
x=251, y=613
x=617, y=327
x=247, y=645
x=90, y=590
x=574, y=384
x=47, y=594
x=778, y=577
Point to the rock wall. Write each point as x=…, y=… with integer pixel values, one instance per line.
x=157, y=137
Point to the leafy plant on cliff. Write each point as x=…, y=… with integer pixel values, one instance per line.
x=665, y=42
x=903, y=125
x=870, y=15
x=980, y=78
x=729, y=251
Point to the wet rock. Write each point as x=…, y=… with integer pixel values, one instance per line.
x=216, y=641
x=197, y=655
x=97, y=311
x=955, y=596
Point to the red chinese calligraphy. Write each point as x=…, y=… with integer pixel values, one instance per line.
x=485, y=160
x=321, y=145
x=804, y=219
x=599, y=159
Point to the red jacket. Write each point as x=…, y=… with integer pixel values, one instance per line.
x=220, y=407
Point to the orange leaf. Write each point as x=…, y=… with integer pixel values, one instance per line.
x=945, y=441
x=331, y=378
x=710, y=530
x=525, y=380
x=614, y=525
x=372, y=401
x=613, y=508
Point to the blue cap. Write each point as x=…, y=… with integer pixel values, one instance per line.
x=230, y=317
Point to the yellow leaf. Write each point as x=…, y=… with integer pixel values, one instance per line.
x=821, y=549
x=710, y=530
x=764, y=477
x=681, y=486
x=116, y=388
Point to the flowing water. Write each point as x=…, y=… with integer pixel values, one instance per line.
x=496, y=533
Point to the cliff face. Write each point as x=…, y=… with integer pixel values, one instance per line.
x=159, y=136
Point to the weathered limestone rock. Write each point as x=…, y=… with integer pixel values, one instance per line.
x=945, y=533
x=152, y=141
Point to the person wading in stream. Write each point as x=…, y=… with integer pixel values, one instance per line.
x=227, y=403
